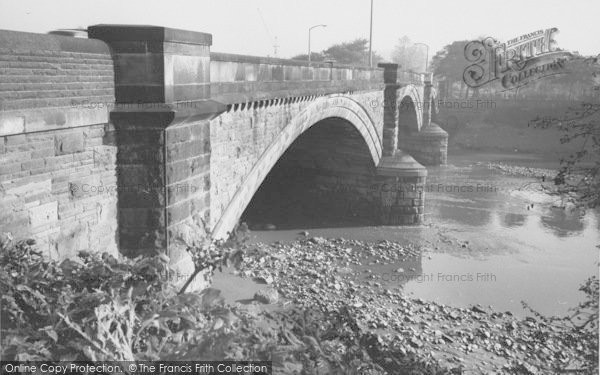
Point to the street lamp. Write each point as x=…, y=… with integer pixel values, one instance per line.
x=426, y=56
x=309, y=30
x=371, y=38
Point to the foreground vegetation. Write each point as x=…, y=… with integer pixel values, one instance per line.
x=97, y=307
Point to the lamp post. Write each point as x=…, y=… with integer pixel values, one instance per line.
x=426, y=56
x=309, y=30
x=371, y=38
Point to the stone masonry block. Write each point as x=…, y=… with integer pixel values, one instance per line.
x=141, y=217
x=183, y=169
x=11, y=125
x=69, y=143
x=179, y=134
x=178, y=212
x=44, y=214
x=16, y=140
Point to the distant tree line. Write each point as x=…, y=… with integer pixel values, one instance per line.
x=355, y=52
x=579, y=81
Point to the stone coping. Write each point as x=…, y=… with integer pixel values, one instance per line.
x=120, y=33
x=32, y=120
x=23, y=41
x=230, y=57
x=162, y=115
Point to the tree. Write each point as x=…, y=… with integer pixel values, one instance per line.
x=449, y=63
x=314, y=56
x=580, y=81
x=578, y=181
x=578, y=178
x=355, y=52
x=409, y=56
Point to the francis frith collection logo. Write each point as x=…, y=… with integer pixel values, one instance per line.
x=515, y=63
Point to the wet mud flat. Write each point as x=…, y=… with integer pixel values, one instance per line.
x=333, y=275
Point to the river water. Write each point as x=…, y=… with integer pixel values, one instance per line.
x=489, y=238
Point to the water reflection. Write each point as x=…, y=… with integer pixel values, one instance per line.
x=467, y=215
x=563, y=222
x=483, y=193
x=513, y=220
x=537, y=253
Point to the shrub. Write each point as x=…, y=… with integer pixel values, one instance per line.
x=100, y=308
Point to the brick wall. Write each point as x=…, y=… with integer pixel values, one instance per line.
x=57, y=148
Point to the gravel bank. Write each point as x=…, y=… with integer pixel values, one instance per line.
x=325, y=274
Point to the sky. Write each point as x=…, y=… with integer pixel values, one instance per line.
x=253, y=27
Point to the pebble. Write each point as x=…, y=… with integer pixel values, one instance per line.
x=267, y=295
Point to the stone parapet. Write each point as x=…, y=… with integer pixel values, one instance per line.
x=240, y=79
x=57, y=150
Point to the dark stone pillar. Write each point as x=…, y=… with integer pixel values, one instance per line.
x=162, y=89
x=427, y=90
x=397, y=189
x=390, y=108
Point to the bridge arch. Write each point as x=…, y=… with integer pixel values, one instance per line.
x=410, y=109
x=329, y=107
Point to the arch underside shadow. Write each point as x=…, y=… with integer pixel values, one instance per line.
x=408, y=117
x=320, y=181
x=331, y=108
x=410, y=105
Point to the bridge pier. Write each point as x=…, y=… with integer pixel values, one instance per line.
x=429, y=145
x=399, y=190
x=161, y=119
x=427, y=142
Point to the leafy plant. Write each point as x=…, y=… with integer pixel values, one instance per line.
x=578, y=178
x=98, y=307
x=85, y=308
x=211, y=255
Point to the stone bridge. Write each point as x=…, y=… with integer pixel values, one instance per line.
x=139, y=138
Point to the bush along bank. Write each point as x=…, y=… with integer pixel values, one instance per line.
x=100, y=308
